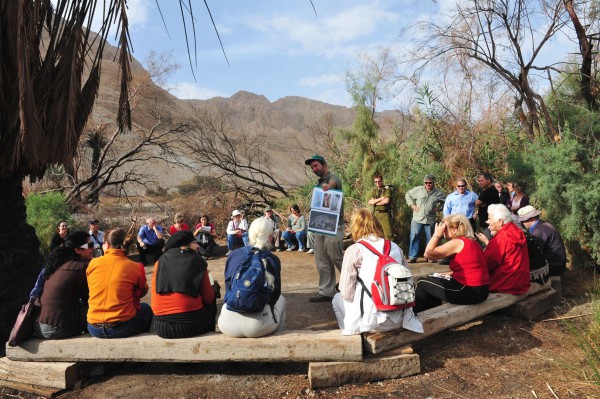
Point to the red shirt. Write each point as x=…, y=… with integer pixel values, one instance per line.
x=173, y=229
x=469, y=266
x=508, y=261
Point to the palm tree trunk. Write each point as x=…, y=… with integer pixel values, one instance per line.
x=20, y=260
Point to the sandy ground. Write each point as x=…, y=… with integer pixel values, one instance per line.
x=495, y=356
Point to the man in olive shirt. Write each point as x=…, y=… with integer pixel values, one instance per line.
x=328, y=249
x=381, y=199
x=426, y=201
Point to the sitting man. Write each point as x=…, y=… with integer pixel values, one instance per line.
x=150, y=241
x=547, y=238
x=506, y=253
x=237, y=231
x=97, y=237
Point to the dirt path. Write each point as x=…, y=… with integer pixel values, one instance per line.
x=496, y=356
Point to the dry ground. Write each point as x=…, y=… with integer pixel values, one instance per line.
x=496, y=356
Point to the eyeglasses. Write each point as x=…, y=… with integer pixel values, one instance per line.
x=88, y=245
x=428, y=182
x=459, y=186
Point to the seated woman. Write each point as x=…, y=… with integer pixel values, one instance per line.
x=296, y=228
x=116, y=283
x=178, y=224
x=467, y=282
x=58, y=238
x=183, y=300
x=205, y=234
x=353, y=316
x=272, y=317
x=65, y=293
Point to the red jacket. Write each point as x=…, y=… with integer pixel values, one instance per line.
x=508, y=261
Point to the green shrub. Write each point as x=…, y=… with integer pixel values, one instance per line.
x=44, y=211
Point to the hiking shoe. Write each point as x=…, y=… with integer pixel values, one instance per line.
x=301, y=250
x=412, y=260
x=291, y=248
x=320, y=298
x=310, y=251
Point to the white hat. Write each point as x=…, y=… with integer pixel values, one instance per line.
x=235, y=213
x=527, y=212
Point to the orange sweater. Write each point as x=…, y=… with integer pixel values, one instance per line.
x=113, y=279
x=176, y=302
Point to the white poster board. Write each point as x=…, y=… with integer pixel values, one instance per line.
x=325, y=211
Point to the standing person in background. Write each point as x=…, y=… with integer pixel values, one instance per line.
x=488, y=196
x=58, y=239
x=518, y=199
x=502, y=193
x=237, y=231
x=116, y=283
x=150, y=240
x=328, y=249
x=178, y=224
x=426, y=201
x=296, y=228
x=381, y=200
x=461, y=202
x=310, y=242
x=97, y=237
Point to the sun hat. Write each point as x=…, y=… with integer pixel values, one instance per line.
x=527, y=212
x=235, y=213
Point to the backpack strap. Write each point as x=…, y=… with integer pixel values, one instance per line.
x=362, y=295
x=264, y=256
x=386, y=247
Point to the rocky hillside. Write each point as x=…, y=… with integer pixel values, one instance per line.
x=285, y=123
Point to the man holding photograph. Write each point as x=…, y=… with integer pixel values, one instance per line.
x=328, y=249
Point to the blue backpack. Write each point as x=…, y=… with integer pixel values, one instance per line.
x=246, y=288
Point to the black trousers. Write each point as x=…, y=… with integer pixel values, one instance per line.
x=155, y=249
x=189, y=324
x=431, y=291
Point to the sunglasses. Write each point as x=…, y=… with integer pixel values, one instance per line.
x=88, y=245
x=458, y=185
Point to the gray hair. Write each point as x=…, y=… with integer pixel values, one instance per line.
x=499, y=212
x=259, y=232
x=429, y=177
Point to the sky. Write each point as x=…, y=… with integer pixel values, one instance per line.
x=277, y=48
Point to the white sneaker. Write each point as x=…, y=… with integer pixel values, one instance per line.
x=310, y=251
x=301, y=250
x=228, y=252
x=289, y=250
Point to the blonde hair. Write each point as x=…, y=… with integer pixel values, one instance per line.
x=363, y=223
x=461, y=224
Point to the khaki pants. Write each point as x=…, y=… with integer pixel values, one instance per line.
x=328, y=253
x=385, y=219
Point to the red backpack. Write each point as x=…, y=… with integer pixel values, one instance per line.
x=393, y=287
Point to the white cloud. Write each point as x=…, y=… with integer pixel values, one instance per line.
x=333, y=96
x=189, y=91
x=326, y=79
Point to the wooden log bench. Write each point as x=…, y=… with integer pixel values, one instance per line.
x=443, y=317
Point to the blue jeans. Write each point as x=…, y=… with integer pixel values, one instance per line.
x=415, y=235
x=300, y=237
x=233, y=239
x=139, y=324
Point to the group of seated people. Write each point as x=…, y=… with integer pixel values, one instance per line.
x=102, y=295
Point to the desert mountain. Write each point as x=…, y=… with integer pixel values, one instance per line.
x=283, y=125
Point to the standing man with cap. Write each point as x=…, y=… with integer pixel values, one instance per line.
x=97, y=237
x=547, y=238
x=381, y=199
x=237, y=231
x=426, y=201
x=328, y=249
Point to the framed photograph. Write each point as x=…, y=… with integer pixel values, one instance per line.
x=325, y=211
